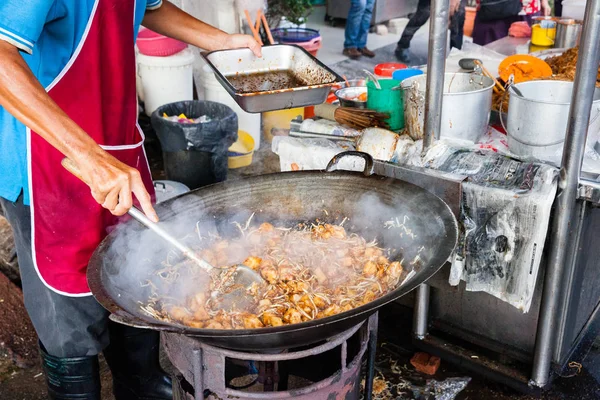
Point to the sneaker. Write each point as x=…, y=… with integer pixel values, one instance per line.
x=352, y=52
x=403, y=55
x=366, y=52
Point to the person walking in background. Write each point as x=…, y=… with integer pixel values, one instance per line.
x=558, y=8
x=420, y=17
x=492, y=24
x=357, y=29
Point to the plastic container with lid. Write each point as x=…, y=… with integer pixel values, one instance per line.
x=402, y=74
x=386, y=70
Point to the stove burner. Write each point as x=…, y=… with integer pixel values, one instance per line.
x=330, y=370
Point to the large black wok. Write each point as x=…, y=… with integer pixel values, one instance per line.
x=418, y=225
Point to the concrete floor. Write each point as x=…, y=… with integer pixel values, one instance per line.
x=333, y=41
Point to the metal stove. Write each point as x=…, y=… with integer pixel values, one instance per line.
x=329, y=370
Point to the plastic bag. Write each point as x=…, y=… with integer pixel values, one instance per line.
x=185, y=140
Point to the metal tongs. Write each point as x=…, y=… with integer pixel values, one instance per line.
x=243, y=277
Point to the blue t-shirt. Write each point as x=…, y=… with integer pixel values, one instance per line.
x=47, y=32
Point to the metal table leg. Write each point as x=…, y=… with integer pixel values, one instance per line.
x=371, y=354
x=563, y=228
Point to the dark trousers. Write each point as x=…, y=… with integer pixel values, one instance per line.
x=558, y=8
x=421, y=16
x=67, y=326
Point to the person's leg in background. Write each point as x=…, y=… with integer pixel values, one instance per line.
x=365, y=25
x=418, y=19
x=558, y=8
x=353, y=26
x=457, y=24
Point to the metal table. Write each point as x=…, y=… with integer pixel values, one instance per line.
x=507, y=45
x=481, y=332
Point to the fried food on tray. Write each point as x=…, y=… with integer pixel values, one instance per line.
x=565, y=65
x=311, y=272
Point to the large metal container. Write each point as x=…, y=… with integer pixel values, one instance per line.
x=466, y=105
x=568, y=32
x=537, y=122
x=292, y=58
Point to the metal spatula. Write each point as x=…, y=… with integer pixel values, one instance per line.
x=242, y=277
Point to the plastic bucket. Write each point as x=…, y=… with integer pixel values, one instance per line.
x=387, y=101
x=279, y=119
x=196, y=154
x=312, y=46
x=214, y=91
x=166, y=80
x=386, y=70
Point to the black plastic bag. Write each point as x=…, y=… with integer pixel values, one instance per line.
x=195, y=154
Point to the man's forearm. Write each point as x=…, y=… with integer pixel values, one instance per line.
x=170, y=21
x=22, y=95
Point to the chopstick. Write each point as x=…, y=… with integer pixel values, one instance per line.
x=489, y=75
x=266, y=26
x=252, y=28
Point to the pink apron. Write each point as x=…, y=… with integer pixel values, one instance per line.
x=97, y=90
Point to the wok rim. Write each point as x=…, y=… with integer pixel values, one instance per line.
x=94, y=273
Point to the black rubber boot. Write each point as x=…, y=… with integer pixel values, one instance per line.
x=71, y=378
x=134, y=362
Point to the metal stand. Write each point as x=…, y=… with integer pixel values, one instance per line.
x=564, y=230
x=205, y=366
x=570, y=208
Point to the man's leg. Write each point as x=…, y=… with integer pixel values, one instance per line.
x=558, y=8
x=457, y=24
x=133, y=358
x=353, y=23
x=72, y=330
x=418, y=19
x=365, y=25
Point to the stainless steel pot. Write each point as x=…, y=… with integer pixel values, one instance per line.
x=568, y=32
x=466, y=105
x=537, y=121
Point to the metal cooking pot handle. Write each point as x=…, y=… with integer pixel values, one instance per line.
x=368, y=171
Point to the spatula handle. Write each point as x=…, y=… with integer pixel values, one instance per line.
x=142, y=219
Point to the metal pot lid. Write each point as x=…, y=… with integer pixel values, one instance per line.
x=166, y=190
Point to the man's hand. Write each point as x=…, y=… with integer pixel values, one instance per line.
x=454, y=6
x=113, y=182
x=546, y=9
x=170, y=21
x=237, y=41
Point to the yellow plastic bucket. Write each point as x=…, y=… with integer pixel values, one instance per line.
x=279, y=119
x=543, y=36
x=241, y=152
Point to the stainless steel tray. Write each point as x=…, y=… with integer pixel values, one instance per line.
x=279, y=57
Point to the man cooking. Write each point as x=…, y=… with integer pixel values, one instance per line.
x=67, y=89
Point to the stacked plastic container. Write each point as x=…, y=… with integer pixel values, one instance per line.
x=165, y=70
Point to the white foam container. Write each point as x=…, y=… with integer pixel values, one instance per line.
x=214, y=91
x=574, y=9
x=165, y=80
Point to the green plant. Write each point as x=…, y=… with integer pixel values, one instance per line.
x=295, y=11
